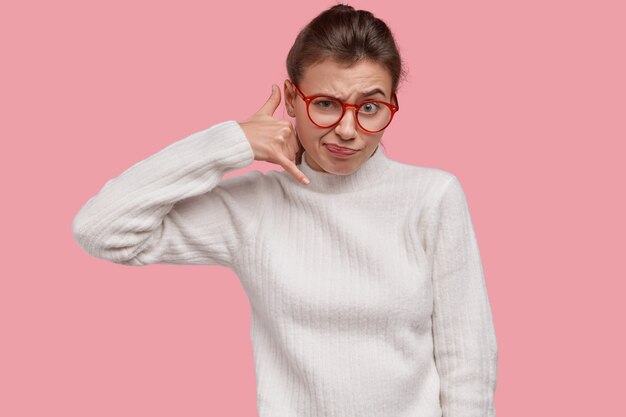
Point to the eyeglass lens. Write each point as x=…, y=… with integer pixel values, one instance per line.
x=326, y=111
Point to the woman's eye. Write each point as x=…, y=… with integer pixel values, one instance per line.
x=325, y=103
x=370, y=107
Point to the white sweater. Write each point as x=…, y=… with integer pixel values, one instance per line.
x=367, y=291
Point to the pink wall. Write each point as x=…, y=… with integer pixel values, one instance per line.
x=524, y=101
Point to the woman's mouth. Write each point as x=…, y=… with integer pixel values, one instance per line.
x=340, y=151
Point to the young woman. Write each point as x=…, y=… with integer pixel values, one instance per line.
x=365, y=282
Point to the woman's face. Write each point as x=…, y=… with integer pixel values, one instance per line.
x=334, y=79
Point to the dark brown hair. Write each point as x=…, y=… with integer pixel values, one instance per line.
x=347, y=36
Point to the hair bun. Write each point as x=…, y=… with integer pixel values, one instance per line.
x=342, y=8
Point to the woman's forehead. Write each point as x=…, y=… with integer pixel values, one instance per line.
x=361, y=79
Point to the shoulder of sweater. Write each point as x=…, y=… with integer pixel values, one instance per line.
x=252, y=182
x=428, y=188
x=253, y=188
x=431, y=182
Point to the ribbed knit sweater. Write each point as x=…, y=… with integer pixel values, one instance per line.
x=367, y=291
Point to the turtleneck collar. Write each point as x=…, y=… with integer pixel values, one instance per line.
x=368, y=174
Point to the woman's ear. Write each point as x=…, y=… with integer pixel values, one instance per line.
x=289, y=98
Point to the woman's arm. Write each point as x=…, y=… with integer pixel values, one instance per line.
x=465, y=347
x=172, y=208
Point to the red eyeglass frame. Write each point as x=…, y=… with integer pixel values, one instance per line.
x=307, y=99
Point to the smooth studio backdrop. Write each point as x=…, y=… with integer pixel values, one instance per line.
x=522, y=100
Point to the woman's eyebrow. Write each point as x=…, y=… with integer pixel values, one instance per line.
x=368, y=93
x=372, y=92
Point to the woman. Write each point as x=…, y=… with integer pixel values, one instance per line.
x=366, y=285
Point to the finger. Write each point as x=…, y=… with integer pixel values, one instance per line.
x=272, y=102
x=292, y=169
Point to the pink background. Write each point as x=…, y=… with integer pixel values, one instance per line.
x=524, y=101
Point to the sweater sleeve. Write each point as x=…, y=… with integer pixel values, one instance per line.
x=172, y=208
x=465, y=347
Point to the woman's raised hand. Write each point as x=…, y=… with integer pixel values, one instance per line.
x=273, y=140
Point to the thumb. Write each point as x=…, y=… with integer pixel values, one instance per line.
x=272, y=102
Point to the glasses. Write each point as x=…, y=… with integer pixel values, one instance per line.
x=326, y=111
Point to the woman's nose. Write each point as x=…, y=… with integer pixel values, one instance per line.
x=347, y=125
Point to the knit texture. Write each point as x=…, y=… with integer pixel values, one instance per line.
x=367, y=291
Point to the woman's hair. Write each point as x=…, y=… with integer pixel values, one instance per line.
x=347, y=36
